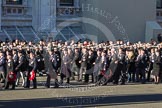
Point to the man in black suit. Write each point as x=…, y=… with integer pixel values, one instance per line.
x=83, y=63
x=20, y=68
x=114, y=65
x=40, y=62
x=140, y=66
x=90, y=65
x=97, y=66
x=75, y=63
x=121, y=69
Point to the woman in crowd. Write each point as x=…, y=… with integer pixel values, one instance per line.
x=156, y=67
x=130, y=59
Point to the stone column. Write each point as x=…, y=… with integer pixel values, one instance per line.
x=34, y=16
x=44, y=15
x=76, y=3
x=25, y=2
x=0, y=14
x=53, y=9
x=4, y=1
x=58, y=3
x=36, y=22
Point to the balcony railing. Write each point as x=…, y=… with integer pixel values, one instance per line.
x=68, y=11
x=13, y=11
x=16, y=11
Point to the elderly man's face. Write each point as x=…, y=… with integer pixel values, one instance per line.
x=31, y=55
x=19, y=54
x=1, y=54
x=50, y=52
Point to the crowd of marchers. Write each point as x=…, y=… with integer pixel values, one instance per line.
x=102, y=63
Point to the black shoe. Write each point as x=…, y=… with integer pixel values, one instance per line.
x=115, y=82
x=79, y=80
x=56, y=86
x=27, y=87
x=12, y=89
x=6, y=88
x=122, y=83
x=40, y=74
x=156, y=83
x=92, y=82
x=67, y=82
x=47, y=86
x=143, y=82
x=16, y=85
x=85, y=83
x=73, y=78
x=34, y=88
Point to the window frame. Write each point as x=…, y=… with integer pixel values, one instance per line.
x=66, y=3
x=159, y=5
x=12, y=2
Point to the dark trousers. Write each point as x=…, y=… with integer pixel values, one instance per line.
x=140, y=72
x=87, y=77
x=95, y=78
x=28, y=81
x=2, y=76
x=116, y=77
x=131, y=76
x=62, y=78
x=7, y=84
x=149, y=74
x=82, y=70
x=123, y=76
x=120, y=71
x=75, y=70
x=48, y=83
x=117, y=74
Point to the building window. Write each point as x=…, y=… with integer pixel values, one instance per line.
x=19, y=11
x=159, y=4
x=66, y=2
x=14, y=11
x=9, y=10
x=14, y=2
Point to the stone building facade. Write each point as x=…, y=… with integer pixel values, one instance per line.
x=68, y=19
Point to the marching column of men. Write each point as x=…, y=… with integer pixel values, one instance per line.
x=89, y=64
